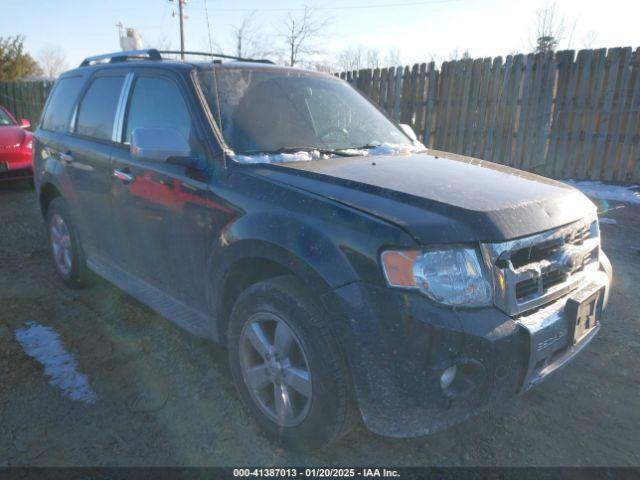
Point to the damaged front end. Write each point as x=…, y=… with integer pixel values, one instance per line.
x=556, y=285
x=419, y=366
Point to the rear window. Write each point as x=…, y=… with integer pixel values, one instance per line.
x=61, y=104
x=97, y=110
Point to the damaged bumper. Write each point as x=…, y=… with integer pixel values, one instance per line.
x=399, y=345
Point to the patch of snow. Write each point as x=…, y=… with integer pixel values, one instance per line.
x=307, y=156
x=611, y=221
x=387, y=149
x=43, y=344
x=302, y=156
x=602, y=191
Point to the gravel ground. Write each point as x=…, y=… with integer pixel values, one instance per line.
x=164, y=397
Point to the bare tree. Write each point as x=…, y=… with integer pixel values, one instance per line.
x=589, y=39
x=373, y=58
x=250, y=41
x=392, y=58
x=352, y=59
x=361, y=57
x=52, y=61
x=549, y=30
x=301, y=33
x=456, y=55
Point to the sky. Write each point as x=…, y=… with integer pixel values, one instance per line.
x=418, y=30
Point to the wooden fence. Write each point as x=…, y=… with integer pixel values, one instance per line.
x=25, y=99
x=562, y=115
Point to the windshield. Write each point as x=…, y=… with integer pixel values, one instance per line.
x=285, y=111
x=5, y=119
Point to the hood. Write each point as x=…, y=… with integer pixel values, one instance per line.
x=11, y=137
x=439, y=197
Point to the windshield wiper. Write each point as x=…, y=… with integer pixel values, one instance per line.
x=368, y=146
x=323, y=151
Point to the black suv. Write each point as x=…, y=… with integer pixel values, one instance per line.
x=349, y=271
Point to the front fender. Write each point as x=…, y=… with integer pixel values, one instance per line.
x=287, y=240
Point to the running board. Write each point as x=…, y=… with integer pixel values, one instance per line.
x=174, y=310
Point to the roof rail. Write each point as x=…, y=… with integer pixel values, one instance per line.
x=150, y=54
x=215, y=55
x=153, y=54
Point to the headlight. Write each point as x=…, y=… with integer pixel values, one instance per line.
x=448, y=275
x=30, y=144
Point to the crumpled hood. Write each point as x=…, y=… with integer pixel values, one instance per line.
x=440, y=197
x=11, y=137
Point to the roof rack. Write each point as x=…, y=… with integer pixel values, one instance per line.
x=153, y=54
x=150, y=54
x=216, y=55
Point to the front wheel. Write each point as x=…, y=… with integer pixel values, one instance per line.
x=287, y=366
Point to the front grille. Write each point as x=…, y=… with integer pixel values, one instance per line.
x=528, y=288
x=550, y=278
x=535, y=270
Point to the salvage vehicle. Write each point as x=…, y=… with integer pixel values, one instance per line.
x=15, y=147
x=349, y=271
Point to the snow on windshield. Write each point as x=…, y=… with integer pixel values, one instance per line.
x=307, y=156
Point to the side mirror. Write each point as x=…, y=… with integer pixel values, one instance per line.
x=159, y=144
x=408, y=131
x=24, y=123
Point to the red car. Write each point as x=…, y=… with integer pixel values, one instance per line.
x=15, y=147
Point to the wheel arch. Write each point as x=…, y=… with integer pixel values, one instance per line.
x=48, y=191
x=248, y=262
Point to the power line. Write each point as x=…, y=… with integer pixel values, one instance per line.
x=343, y=7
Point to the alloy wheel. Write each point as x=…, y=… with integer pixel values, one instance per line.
x=61, y=244
x=275, y=369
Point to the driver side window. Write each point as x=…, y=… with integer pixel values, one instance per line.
x=157, y=103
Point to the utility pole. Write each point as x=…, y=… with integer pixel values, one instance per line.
x=182, y=19
x=181, y=29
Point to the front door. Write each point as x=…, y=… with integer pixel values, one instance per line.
x=161, y=208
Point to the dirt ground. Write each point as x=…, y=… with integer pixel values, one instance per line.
x=166, y=398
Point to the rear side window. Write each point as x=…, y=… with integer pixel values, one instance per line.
x=157, y=103
x=97, y=110
x=63, y=99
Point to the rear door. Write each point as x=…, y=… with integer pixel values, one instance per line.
x=48, y=145
x=87, y=158
x=161, y=208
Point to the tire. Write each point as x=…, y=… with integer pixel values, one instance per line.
x=72, y=269
x=329, y=411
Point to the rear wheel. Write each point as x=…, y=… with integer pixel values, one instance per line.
x=64, y=243
x=287, y=367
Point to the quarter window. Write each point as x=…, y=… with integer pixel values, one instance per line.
x=157, y=103
x=63, y=99
x=97, y=110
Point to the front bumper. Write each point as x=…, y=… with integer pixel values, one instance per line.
x=398, y=344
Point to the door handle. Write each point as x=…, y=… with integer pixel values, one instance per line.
x=124, y=175
x=66, y=158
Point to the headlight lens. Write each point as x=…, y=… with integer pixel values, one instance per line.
x=448, y=275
